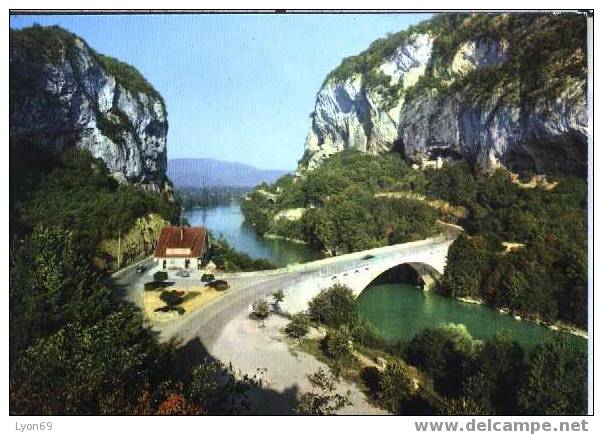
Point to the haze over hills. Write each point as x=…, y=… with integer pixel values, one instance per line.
x=199, y=172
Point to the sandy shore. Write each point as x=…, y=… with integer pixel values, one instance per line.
x=262, y=350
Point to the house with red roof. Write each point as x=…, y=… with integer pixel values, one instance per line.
x=182, y=248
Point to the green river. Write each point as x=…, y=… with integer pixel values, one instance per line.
x=398, y=310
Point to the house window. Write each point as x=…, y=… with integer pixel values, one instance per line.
x=187, y=263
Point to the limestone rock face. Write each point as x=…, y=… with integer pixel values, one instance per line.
x=481, y=108
x=72, y=99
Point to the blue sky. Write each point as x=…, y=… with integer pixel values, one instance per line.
x=237, y=87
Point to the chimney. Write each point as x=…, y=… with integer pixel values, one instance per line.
x=181, y=234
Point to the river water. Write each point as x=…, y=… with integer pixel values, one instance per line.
x=228, y=221
x=399, y=311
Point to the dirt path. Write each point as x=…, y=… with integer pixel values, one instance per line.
x=262, y=350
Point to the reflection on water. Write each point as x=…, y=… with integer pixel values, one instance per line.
x=228, y=221
x=400, y=311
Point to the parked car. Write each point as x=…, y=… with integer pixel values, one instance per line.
x=140, y=268
x=218, y=284
x=183, y=273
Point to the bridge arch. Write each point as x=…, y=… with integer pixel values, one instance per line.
x=357, y=271
x=420, y=274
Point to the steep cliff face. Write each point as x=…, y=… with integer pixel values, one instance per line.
x=497, y=90
x=63, y=93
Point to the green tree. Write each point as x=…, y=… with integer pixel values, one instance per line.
x=322, y=400
x=81, y=370
x=51, y=285
x=556, y=382
x=466, y=265
x=334, y=306
x=446, y=354
x=217, y=390
x=396, y=387
x=337, y=345
x=278, y=297
x=260, y=310
x=500, y=368
x=298, y=326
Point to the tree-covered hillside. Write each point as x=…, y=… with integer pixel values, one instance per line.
x=75, y=191
x=337, y=206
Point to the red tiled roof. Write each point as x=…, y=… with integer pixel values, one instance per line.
x=180, y=242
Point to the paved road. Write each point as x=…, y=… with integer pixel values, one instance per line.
x=128, y=285
x=209, y=321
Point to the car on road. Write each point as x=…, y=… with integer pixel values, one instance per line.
x=183, y=273
x=140, y=268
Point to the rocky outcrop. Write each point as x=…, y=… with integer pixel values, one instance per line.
x=496, y=90
x=65, y=94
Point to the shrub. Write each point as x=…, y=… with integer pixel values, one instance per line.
x=395, y=385
x=152, y=285
x=207, y=277
x=334, y=306
x=322, y=400
x=160, y=276
x=337, y=344
x=370, y=377
x=260, y=310
x=298, y=326
x=367, y=334
x=278, y=297
x=168, y=308
x=171, y=297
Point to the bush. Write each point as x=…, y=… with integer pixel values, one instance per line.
x=337, y=344
x=260, y=310
x=370, y=377
x=160, y=276
x=395, y=387
x=171, y=297
x=152, y=285
x=334, y=306
x=207, y=277
x=367, y=334
x=298, y=326
x=168, y=308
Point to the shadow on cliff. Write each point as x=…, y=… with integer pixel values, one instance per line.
x=260, y=400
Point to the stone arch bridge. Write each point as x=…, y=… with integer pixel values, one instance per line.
x=358, y=270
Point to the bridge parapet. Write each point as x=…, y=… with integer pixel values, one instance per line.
x=358, y=270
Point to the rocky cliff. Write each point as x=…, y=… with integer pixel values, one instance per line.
x=63, y=93
x=497, y=90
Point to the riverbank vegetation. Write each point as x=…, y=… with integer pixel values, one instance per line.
x=545, y=277
x=228, y=259
x=340, y=212
x=444, y=370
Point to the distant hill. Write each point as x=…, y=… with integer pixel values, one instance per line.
x=210, y=173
